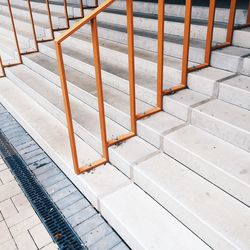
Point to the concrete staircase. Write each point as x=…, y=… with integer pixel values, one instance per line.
x=184, y=181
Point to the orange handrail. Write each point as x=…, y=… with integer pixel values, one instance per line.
x=105, y=143
x=186, y=45
x=131, y=66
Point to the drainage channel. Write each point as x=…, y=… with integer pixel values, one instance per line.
x=49, y=214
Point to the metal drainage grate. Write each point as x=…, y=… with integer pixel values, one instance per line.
x=49, y=214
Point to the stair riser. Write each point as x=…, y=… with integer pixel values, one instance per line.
x=190, y=219
x=241, y=38
x=41, y=32
x=246, y=66
x=234, y=96
x=179, y=11
x=83, y=133
x=173, y=28
x=225, y=131
x=143, y=94
x=208, y=170
x=93, y=141
x=172, y=49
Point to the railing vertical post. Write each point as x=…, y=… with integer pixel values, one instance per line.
x=50, y=20
x=66, y=13
x=248, y=14
x=131, y=66
x=14, y=31
x=81, y=9
x=231, y=21
x=100, y=98
x=2, y=68
x=210, y=30
x=65, y=93
x=161, y=18
x=186, y=42
x=33, y=25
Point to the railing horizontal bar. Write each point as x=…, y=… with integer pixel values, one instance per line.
x=148, y=113
x=174, y=89
x=221, y=46
x=121, y=138
x=197, y=67
x=92, y=165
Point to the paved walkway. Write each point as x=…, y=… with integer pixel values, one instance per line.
x=87, y=223
x=20, y=227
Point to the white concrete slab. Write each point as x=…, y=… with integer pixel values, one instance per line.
x=145, y=224
x=216, y=160
x=225, y=121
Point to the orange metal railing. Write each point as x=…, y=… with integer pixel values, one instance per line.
x=105, y=142
x=36, y=49
x=2, y=72
x=92, y=19
x=186, y=45
x=20, y=61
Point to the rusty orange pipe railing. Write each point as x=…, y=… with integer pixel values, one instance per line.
x=20, y=61
x=105, y=143
x=186, y=45
x=230, y=27
x=2, y=68
x=50, y=24
x=131, y=69
x=33, y=31
x=65, y=7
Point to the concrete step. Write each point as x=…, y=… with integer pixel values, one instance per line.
x=241, y=37
x=173, y=25
x=226, y=121
x=49, y=96
x=116, y=102
x=121, y=156
x=184, y=102
x=178, y=10
x=234, y=59
x=246, y=66
x=106, y=187
x=173, y=45
x=236, y=91
x=220, y=162
x=205, y=209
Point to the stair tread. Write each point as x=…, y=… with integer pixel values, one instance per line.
x=227, y=113
x=44, y=123
x=207, y=203
x=225, y=157
x=135, y=210
x=32, y=117
x=53, y=95
x=87, y=83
